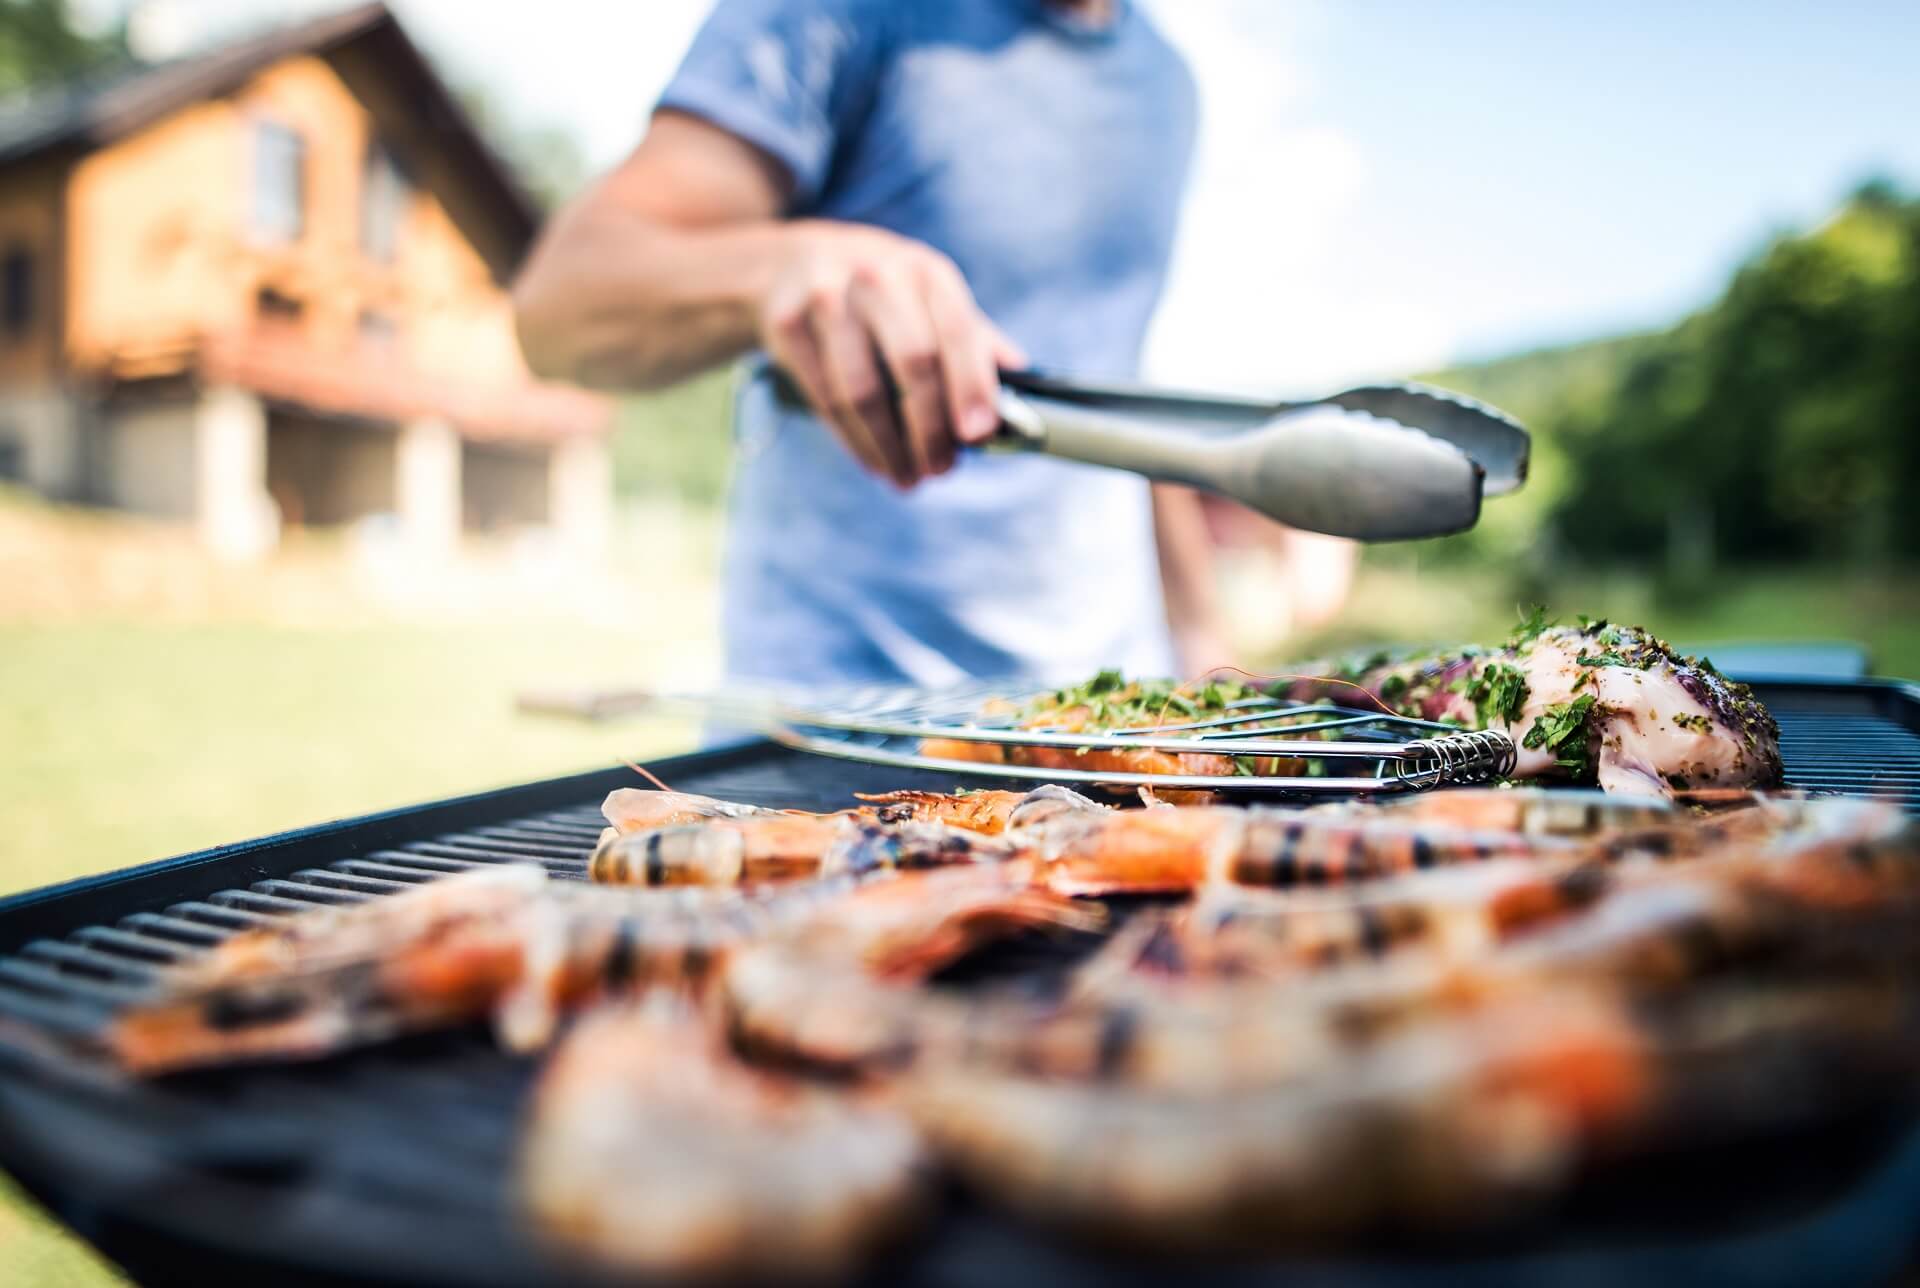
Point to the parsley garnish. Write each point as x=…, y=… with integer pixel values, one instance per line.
x=1532, y=623
x=1608, y=658
x=1563, y=730
x=1499, y=691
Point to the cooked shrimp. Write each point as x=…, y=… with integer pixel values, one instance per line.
x=1233, y=931
x=337, y=977
x=1443, y=1122
x=1475, y=1114
x=838, y=989
x=1529, y=811
x=650, y=1148
x=634, y=809
x=724, y=852
x=1172, y=851
x=504, y=943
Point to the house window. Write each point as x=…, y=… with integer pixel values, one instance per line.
x=274, y=306
x=383, y=204
x=279, y=183
x=16, y=291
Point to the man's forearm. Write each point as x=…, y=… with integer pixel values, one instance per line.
x=613, y=299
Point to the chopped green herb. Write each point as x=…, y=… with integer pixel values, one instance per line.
x=1694, y=723
x=1500, y=690
x=1608, y=658
x=1563, y=730
x=1532, y=623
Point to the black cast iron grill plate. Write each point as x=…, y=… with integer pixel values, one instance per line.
x=392, y=1165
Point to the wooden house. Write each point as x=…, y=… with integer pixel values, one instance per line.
x=266, y=286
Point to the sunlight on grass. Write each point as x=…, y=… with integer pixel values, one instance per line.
x=36, y=1251
x=145, y=741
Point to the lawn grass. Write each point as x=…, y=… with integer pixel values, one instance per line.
x=131, y=742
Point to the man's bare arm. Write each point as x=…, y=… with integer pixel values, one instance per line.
x=679, y=260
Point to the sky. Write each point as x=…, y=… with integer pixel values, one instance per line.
x=1383, y=186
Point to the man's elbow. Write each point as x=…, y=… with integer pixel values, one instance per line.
x=560, y=343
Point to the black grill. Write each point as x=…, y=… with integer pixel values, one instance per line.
x=392, y=1165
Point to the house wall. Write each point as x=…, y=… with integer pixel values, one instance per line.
x=157, y=261
x=150, y=456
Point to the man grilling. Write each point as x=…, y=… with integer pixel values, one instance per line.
x=890, y=201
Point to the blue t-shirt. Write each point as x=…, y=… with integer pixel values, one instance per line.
x=1046, y=157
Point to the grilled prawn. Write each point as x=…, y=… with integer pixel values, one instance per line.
x=840, y=988
x=504, y=943
x=634, y=809
x=651, y=1148
x=1475, y=1115
x=778, y=847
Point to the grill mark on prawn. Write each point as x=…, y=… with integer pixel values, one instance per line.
x=1119, y=1026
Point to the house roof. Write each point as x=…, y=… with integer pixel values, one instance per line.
x=89, y=113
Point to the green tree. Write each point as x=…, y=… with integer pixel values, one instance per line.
x=39, y=45
x=1779, y=424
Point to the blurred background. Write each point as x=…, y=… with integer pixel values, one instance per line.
x=285, y=526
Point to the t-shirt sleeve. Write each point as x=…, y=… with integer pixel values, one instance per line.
x=788, y=76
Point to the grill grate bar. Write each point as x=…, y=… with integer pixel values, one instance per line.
x=61, y=1013
x=89, y=960
x=461, y=845
x=481, y=858
x=425, y=862
x=302, y=892
x=157, y=951
x=255, y=901
x=562, y=839
x=206, y=922
x=347, y=879
x=400, y=876
x=60, y=983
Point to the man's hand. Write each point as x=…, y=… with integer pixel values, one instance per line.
x=885, y=340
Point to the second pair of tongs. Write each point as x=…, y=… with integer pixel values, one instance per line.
x=1414, y=462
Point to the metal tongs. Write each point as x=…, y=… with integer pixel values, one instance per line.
x=1415, y=463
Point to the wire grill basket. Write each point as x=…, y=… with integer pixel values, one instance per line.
x=1338, y=749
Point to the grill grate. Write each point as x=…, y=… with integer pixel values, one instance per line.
x=394, y=1163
